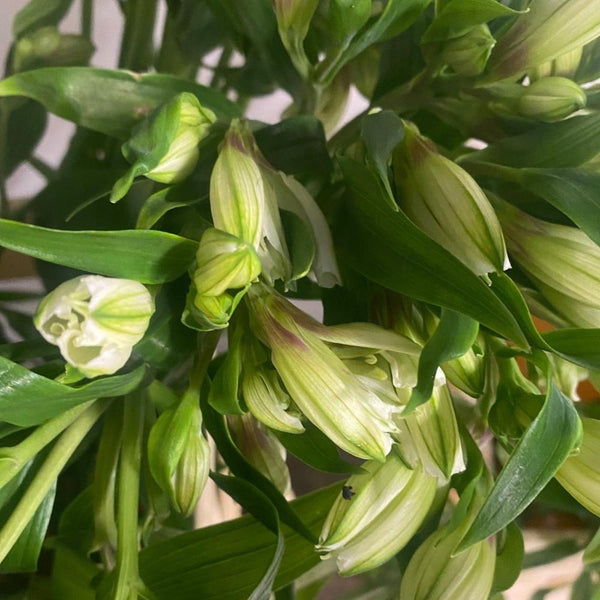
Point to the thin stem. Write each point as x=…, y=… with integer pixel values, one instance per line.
x=49, y=471
x=136, y=50
x=45, y=170
x=18, y=456
x=4, y=203
x=128, y=580
x=206, y=348
x=87, y=18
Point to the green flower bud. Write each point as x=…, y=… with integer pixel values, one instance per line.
x=164, y=147
x=467, y=373
x=346, y=17
x=429, y=436
x=47, y=47
x=550, y=28
x=562, y=261
x=179, y=455
x=433, y=573
x=224, y=262
x=565, y=65
x=447, y=204
x=468, y=54
x=308, y=358
x=551, y=99
x=95, y=321
x=388, y=503
x=580, y=474
x=261, y=449
x=206, y=313
x=237, y=195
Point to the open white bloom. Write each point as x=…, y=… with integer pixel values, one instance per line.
x=95, y=321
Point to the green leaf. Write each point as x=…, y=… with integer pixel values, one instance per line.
x=145, y=256
x=28, y=399
x=565, y=144
x=509, y=560
x=459, y=16
x=551, y=553
x=160, y=203
x=23, y=555
x=108, y=101
x=223, y=395
x=316, y=450
x=381, y=132
x=217, y=427
x=39, y=13
x=220, y=562
x=592, y=550
x=453, y=337
x=26, y=350
x=295, y=145
x=301, y=243
x=257, y=504
x=546, y=444
x=581, y=346
x=573, y=192
x=386, y=247
x=397, y=16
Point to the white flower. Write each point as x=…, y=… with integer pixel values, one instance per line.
x=95, y=321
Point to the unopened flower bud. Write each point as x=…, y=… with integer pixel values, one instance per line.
x=380, y=511
x=293, y=20
x=261, y=449
x=562, y=261
x=541, y=35
x=429, y=436
x=224, y=262
x=433, y=573
x=179, y=455
x=164, y=147
x=580, y=474
x=551, y=99
x=47, y=47
x=468, y=54
x=445, y=202
x=95, y=321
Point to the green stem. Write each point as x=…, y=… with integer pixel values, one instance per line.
x=44, y=478
x=207, y=345
x=127, y=574
x=87, y=17
x=18, y=456
x=4, y=203
x=136, y=50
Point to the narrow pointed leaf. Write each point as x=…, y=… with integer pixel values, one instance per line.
x=28, y=399
x=454, y=335
x=541, y=451
x=145, y=256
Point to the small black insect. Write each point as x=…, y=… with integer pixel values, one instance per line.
x=347, y=492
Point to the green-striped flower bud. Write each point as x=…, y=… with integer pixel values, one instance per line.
x=309, y=359
x=551, y=99
x=445, y=202
x=47, y=47
x=237, y=195
x=468, y=54
x=164, y=147
x=95, y=321
x=179, y=455
x=376, y=515
x=433, y=573
x=224, y=262
x=562, y=261
x=429, y=436
x=548, y=30
x=293, y=20
x=580, y=474
x=261, y=449
x=225, y=268
x=565, y=65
